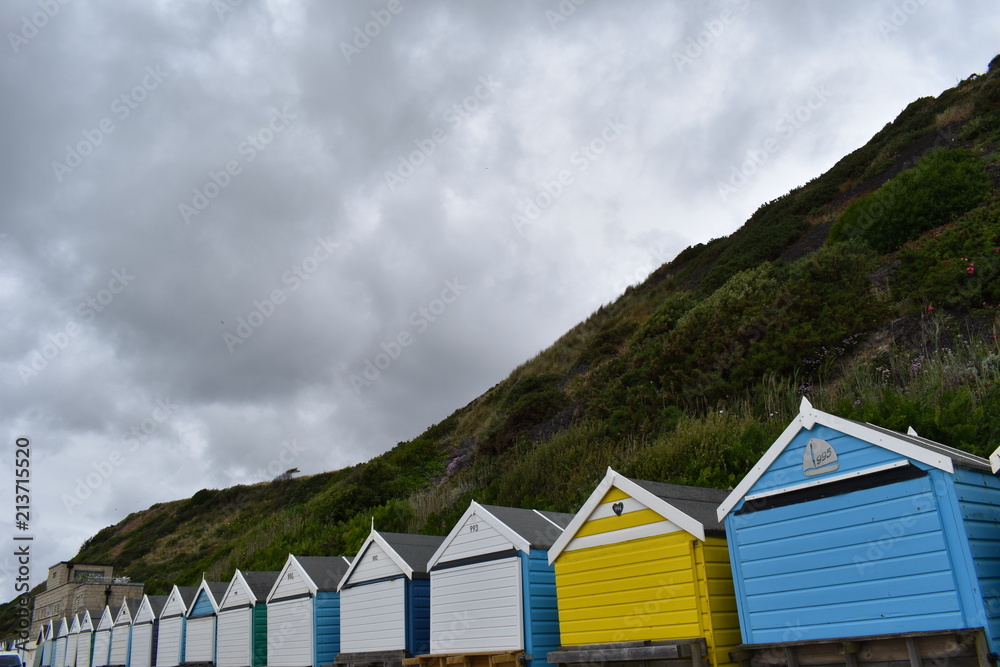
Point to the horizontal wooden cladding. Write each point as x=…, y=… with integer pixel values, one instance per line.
x=637, y=590
x=615, y=522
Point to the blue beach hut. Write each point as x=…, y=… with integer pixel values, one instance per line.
x=858, y=541
x=201, y=627
x=385, y=600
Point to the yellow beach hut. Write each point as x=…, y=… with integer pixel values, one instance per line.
x=642, y=575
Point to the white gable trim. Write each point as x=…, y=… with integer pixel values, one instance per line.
x=124, y=616
x=995, y=461
x=63, y=628
x=86, y=622
x=75, y=627
x=292, y=562
x=808, y=417
x=107, y=621
x=238, y=580
x=175, y=603
x=197, y=594
x=516, y=540
x=827, y=480
x=374, y=536
x=655, y=503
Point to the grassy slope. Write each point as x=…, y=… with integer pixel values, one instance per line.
x=687, y=377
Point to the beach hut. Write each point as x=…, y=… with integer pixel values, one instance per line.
x=202, y=617
x=385, y=600
x=102, y=638
x=851, y=539
x=242, y=636
x=995, y=461
x=121, y=633
x=145, y=630
x=59, y=645
x=303, y=610
x=173, y=620
x=72, y=640
x=85, y=640
x=642, y=573
x=493, y=598
x=48, y=643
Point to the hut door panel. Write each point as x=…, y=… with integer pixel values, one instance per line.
x=290, y=633
x=477, y=608
x=199, y=645
x=234, y=638
x=168, y=648
x=59, y=652
x=102, y=644
x=869, y=562
x=71, y=650
x=373, y=617
x=142, y=645
x=635, y=590
x=119, y=645
x=83, y=645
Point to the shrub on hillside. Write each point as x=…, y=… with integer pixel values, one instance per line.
x=941, y=187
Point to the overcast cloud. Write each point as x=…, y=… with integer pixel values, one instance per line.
x=217, y=216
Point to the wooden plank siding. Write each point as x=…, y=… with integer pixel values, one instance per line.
x=327, y=628
x=259, y=635
x=865, y=563
x=374, y=615
x=630, y=574
x=541, y=608
x=169, y=649
x=979, y=502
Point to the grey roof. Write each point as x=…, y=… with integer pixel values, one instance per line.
x=156, y=603
x=415, y=550
x=217, y=589
x=187, y=594
x=325, y=571
x=260, y=583
x=699, y=503
x=958, y=457
x=541, y=529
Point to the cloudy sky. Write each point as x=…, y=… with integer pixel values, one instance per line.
x=238, y=237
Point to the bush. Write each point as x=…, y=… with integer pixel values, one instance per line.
x=942, y=186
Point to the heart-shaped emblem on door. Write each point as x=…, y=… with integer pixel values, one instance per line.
x=618, y=508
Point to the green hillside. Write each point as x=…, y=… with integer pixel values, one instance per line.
x=873, y=290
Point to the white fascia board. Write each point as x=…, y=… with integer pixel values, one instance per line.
x=807, y=418
x=375, y=537
x=653, y=502
x=516, y=540
x=293, y=562
x=238, y=580
x=582, y=515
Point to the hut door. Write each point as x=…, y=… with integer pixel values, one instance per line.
x=477, y=607
x=234, y=638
